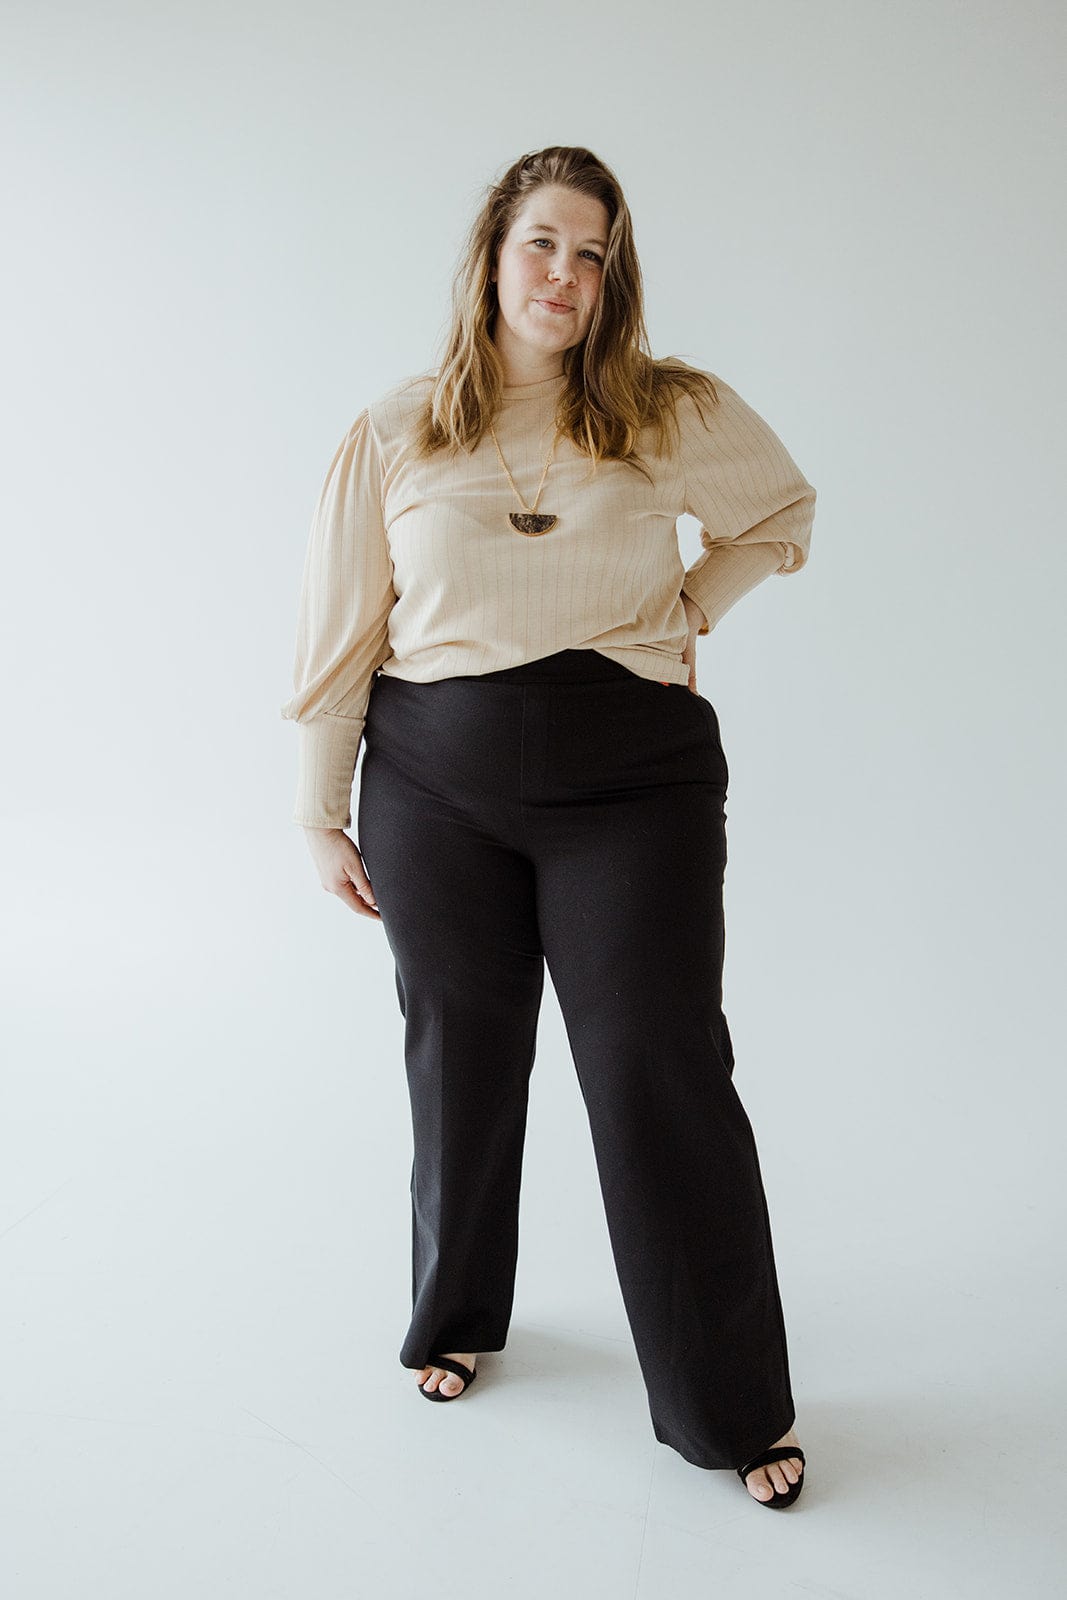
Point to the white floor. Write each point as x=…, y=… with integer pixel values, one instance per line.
x=203, y=1208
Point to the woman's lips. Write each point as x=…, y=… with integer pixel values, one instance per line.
x=554, y=305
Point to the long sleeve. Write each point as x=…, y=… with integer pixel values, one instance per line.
x=342, y=630
x=754, y=503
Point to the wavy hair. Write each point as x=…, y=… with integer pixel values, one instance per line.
x=614, y=386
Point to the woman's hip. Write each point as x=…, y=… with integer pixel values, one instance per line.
x=572, y=725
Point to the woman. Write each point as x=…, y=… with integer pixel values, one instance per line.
x=494, y=605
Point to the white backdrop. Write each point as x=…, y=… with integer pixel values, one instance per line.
x=230, y=226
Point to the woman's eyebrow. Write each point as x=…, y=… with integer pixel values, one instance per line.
x=544, y=227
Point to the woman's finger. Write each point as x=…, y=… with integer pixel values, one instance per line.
x=363, y=888
x=351, y=896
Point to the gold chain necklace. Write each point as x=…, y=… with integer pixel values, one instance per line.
x=529, y=521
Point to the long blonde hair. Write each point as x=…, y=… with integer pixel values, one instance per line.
x=614, y=386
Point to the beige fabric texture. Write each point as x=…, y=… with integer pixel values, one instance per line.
x=413, y=568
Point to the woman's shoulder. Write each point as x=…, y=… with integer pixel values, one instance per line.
x=693, y=387
x=407, y=394
x=393, y=410
x=684, y=406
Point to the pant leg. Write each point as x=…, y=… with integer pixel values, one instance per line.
x=457, y=904
x=629, y=889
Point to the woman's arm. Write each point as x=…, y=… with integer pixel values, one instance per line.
x=342, y=632
x=755, y=505
x=697, y=623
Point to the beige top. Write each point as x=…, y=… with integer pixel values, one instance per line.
x=414, y=568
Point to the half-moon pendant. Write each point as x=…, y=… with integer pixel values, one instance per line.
x=531, y=521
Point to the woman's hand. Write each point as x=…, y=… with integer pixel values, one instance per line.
x=695, y=618
x=341, y=869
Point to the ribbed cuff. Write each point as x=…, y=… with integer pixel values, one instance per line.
x=328, y=747
x=704, y=627
x=729, y=571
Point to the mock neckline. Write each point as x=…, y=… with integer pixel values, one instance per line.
x=532, y=391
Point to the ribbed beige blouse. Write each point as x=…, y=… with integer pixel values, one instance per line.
x=413, y=567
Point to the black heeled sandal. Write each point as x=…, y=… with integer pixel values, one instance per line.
x=778, y=1452
x=468, y=1374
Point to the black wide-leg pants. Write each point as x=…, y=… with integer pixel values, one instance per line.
x=569, y=811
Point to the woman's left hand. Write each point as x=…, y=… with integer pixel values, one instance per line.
x=695, y=618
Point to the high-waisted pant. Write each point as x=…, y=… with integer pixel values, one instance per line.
x=569, y=811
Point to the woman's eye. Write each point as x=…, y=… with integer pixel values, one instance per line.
x=592, y=253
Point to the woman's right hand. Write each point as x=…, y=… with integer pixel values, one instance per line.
x=341, y=869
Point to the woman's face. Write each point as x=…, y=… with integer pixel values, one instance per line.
x=553, y=251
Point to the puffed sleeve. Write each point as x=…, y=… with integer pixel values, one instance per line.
x=754, y=503
x=342, y=627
